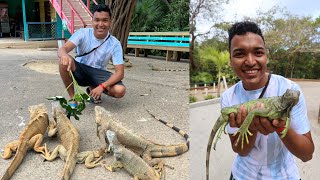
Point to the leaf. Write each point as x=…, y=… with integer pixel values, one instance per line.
x=85, y=97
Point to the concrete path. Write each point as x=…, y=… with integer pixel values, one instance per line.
x=163, y=93
x=204, y=115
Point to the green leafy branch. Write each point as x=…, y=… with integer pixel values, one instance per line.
x=80, y=96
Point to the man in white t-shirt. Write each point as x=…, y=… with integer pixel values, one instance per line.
x=95, y=47
x=267, y=156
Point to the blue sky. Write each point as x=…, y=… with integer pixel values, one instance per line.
x=237, y=9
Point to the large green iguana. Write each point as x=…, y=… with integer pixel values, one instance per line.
x=31, y=137
x=69, y=140
x=277, y=107
x=129, y=160
x=143, y=147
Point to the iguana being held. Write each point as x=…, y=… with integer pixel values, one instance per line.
x=31, y=137
x=277, y=107
x=143, y=147
x=127, y=159
x=69, y=140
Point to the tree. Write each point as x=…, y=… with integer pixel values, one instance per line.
x=146, y=15
x=121, y=12
x=220, y=59
x=206, y=10
x=286, y=36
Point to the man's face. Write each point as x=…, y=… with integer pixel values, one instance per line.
x=101, y=23
x=249, y=60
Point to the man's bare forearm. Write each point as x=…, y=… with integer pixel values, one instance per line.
x=300, y=145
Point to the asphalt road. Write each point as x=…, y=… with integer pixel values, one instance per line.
x=163, y=93
x=202, y=118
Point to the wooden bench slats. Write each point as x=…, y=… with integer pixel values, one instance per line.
x=158, y=38
x=154, y=43
x=170, y=41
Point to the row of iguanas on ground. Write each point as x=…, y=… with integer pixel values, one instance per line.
x=139, y=156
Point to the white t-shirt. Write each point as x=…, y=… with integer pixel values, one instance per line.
x=85, y=41
x=269, y=159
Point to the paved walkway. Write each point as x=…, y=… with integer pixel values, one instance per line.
x=163, y=93
x=202, y=118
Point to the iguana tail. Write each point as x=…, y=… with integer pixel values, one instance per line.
x=21, y=152
x=179, y=149
x=213, y=133
x=69, y=166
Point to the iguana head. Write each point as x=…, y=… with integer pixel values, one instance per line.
x=290, y=98
x=101, y=113
x=37, y=110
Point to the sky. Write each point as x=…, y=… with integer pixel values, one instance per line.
x=237, y=9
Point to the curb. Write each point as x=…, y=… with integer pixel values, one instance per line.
x=204, y=103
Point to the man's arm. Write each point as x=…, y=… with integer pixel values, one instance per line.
x=63, y=55
x=114, y=78
x=300, y=145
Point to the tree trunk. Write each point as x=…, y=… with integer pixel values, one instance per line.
x=219, y=82
x=121, y=18
x=191, y=49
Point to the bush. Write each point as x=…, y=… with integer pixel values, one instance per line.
x=209, y=96
x=192, y=99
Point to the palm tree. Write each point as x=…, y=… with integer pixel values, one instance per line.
x=220, y=59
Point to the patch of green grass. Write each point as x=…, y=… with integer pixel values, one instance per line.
x=209, y=96
x=192, y=99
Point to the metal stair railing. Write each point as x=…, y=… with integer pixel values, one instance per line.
x=70, y=22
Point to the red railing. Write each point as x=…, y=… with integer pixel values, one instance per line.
x=87, y=7
x=70, y=23
x=73, y=11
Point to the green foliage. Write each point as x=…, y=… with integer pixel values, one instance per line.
x=192, y=99
x=209, y=96
x=177, y=19
x=147, y=15
x=80, y=96
x=202, y=77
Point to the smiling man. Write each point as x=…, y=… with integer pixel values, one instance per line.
x=95, y=47
x=267, y=156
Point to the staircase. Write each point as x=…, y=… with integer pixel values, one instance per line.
x=74, y=13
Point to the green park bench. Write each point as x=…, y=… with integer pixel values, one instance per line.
x=172, y=42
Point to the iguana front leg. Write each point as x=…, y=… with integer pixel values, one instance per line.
x=9, y=149
x=244, y=128
x=88, y=158
x=52, y=128
x=35, y=142
x=59, y=150
x=157, y=163
x=113, y=166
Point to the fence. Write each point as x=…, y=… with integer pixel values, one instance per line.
x=42, y=30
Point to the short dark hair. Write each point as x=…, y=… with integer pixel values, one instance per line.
x=241, y=28
x=102, y=7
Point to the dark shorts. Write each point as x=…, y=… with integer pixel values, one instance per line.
x=89, y=76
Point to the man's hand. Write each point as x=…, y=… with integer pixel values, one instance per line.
x=66, y=61
x=258, y=124
x=96, y=92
